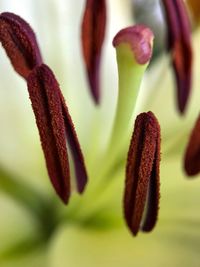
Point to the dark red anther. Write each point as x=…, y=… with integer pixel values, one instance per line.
x=93, y=33
x=180, y=46
x=56, y=129
x=20, y=43
x=142, y=175
x=192, y=154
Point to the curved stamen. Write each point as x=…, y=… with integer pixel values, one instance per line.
x=142, y=174
x=19, y=42
x=180, y=46
x=192, y=154
x=93, y=34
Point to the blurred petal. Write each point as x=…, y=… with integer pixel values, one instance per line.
x=175, y=241
x=16, y=225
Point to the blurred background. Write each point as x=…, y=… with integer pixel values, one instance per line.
x=176, y=239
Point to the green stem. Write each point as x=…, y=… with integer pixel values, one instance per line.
x=130, y=77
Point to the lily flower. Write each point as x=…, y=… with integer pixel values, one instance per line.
x=120, y=140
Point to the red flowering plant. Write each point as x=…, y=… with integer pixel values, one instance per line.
x=116, y=169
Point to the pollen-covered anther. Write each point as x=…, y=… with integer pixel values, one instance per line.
x=56, y=130
x=141, y=197
x=92, y=37
x=192, y=154
x=20, y=44
x=180, y=47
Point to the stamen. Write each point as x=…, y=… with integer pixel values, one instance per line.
x=93, y=33
x=54, y=123
x=20, y=43
x=192, y=154
x=72, y=139
x=52, y=116
x=142, y=174
x=180, y=45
